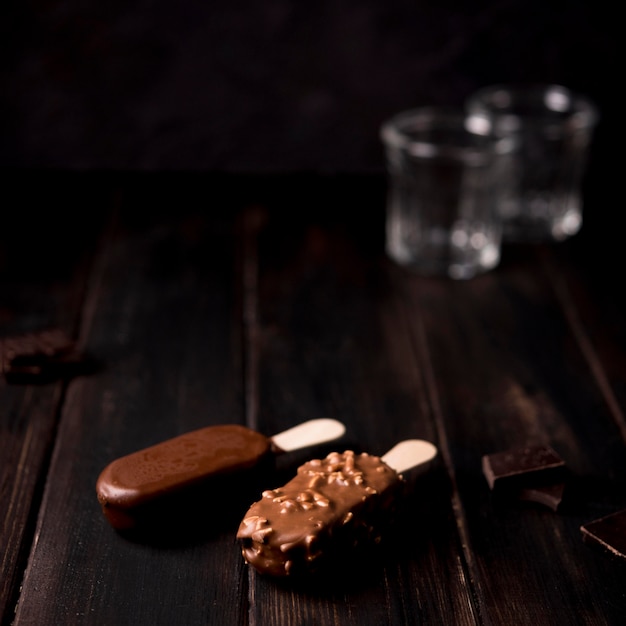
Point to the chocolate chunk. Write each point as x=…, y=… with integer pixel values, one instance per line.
x=40, y=357
x=547, y=495
x=608, y=532
x=523, y=467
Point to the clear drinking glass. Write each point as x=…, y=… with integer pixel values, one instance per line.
x=553, y=127
x=444, y=186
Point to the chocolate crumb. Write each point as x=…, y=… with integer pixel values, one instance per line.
x=40, y=356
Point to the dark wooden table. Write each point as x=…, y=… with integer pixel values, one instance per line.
x=268, y=301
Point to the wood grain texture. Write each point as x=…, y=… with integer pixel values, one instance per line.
x=43, y=272
x=237, y=304
x=336, y=341
x=160, y=314
x=510, y=371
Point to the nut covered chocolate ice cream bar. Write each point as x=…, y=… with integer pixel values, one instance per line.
x=339, y=503
x=131, y=488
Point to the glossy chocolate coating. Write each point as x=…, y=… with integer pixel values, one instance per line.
x=334, y=504
x=131, y=485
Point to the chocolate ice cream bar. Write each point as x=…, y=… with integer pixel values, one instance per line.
x=339, y=503
x=131, y=488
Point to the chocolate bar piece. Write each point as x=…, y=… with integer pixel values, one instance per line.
x=608, y=532
x=330, y=508
x=523, y=466
x=527, y=473
x=39, y=356
x=548, y=495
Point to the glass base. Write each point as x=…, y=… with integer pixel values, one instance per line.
x=445, y=262
x=536, y=230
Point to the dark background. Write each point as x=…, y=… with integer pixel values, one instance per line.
x=280, y=86
x=273, y=84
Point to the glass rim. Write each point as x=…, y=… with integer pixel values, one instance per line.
x=402, y=129
x=539, y=99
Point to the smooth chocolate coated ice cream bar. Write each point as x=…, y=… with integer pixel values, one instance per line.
x=136, y=489
x=338, y=503
x=128, y=485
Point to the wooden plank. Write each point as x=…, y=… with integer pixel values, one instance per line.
x=586, y=287
x=162, y=314
x=43, y=268
x=299, y=315
x=510, y=370
x=334, y=340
